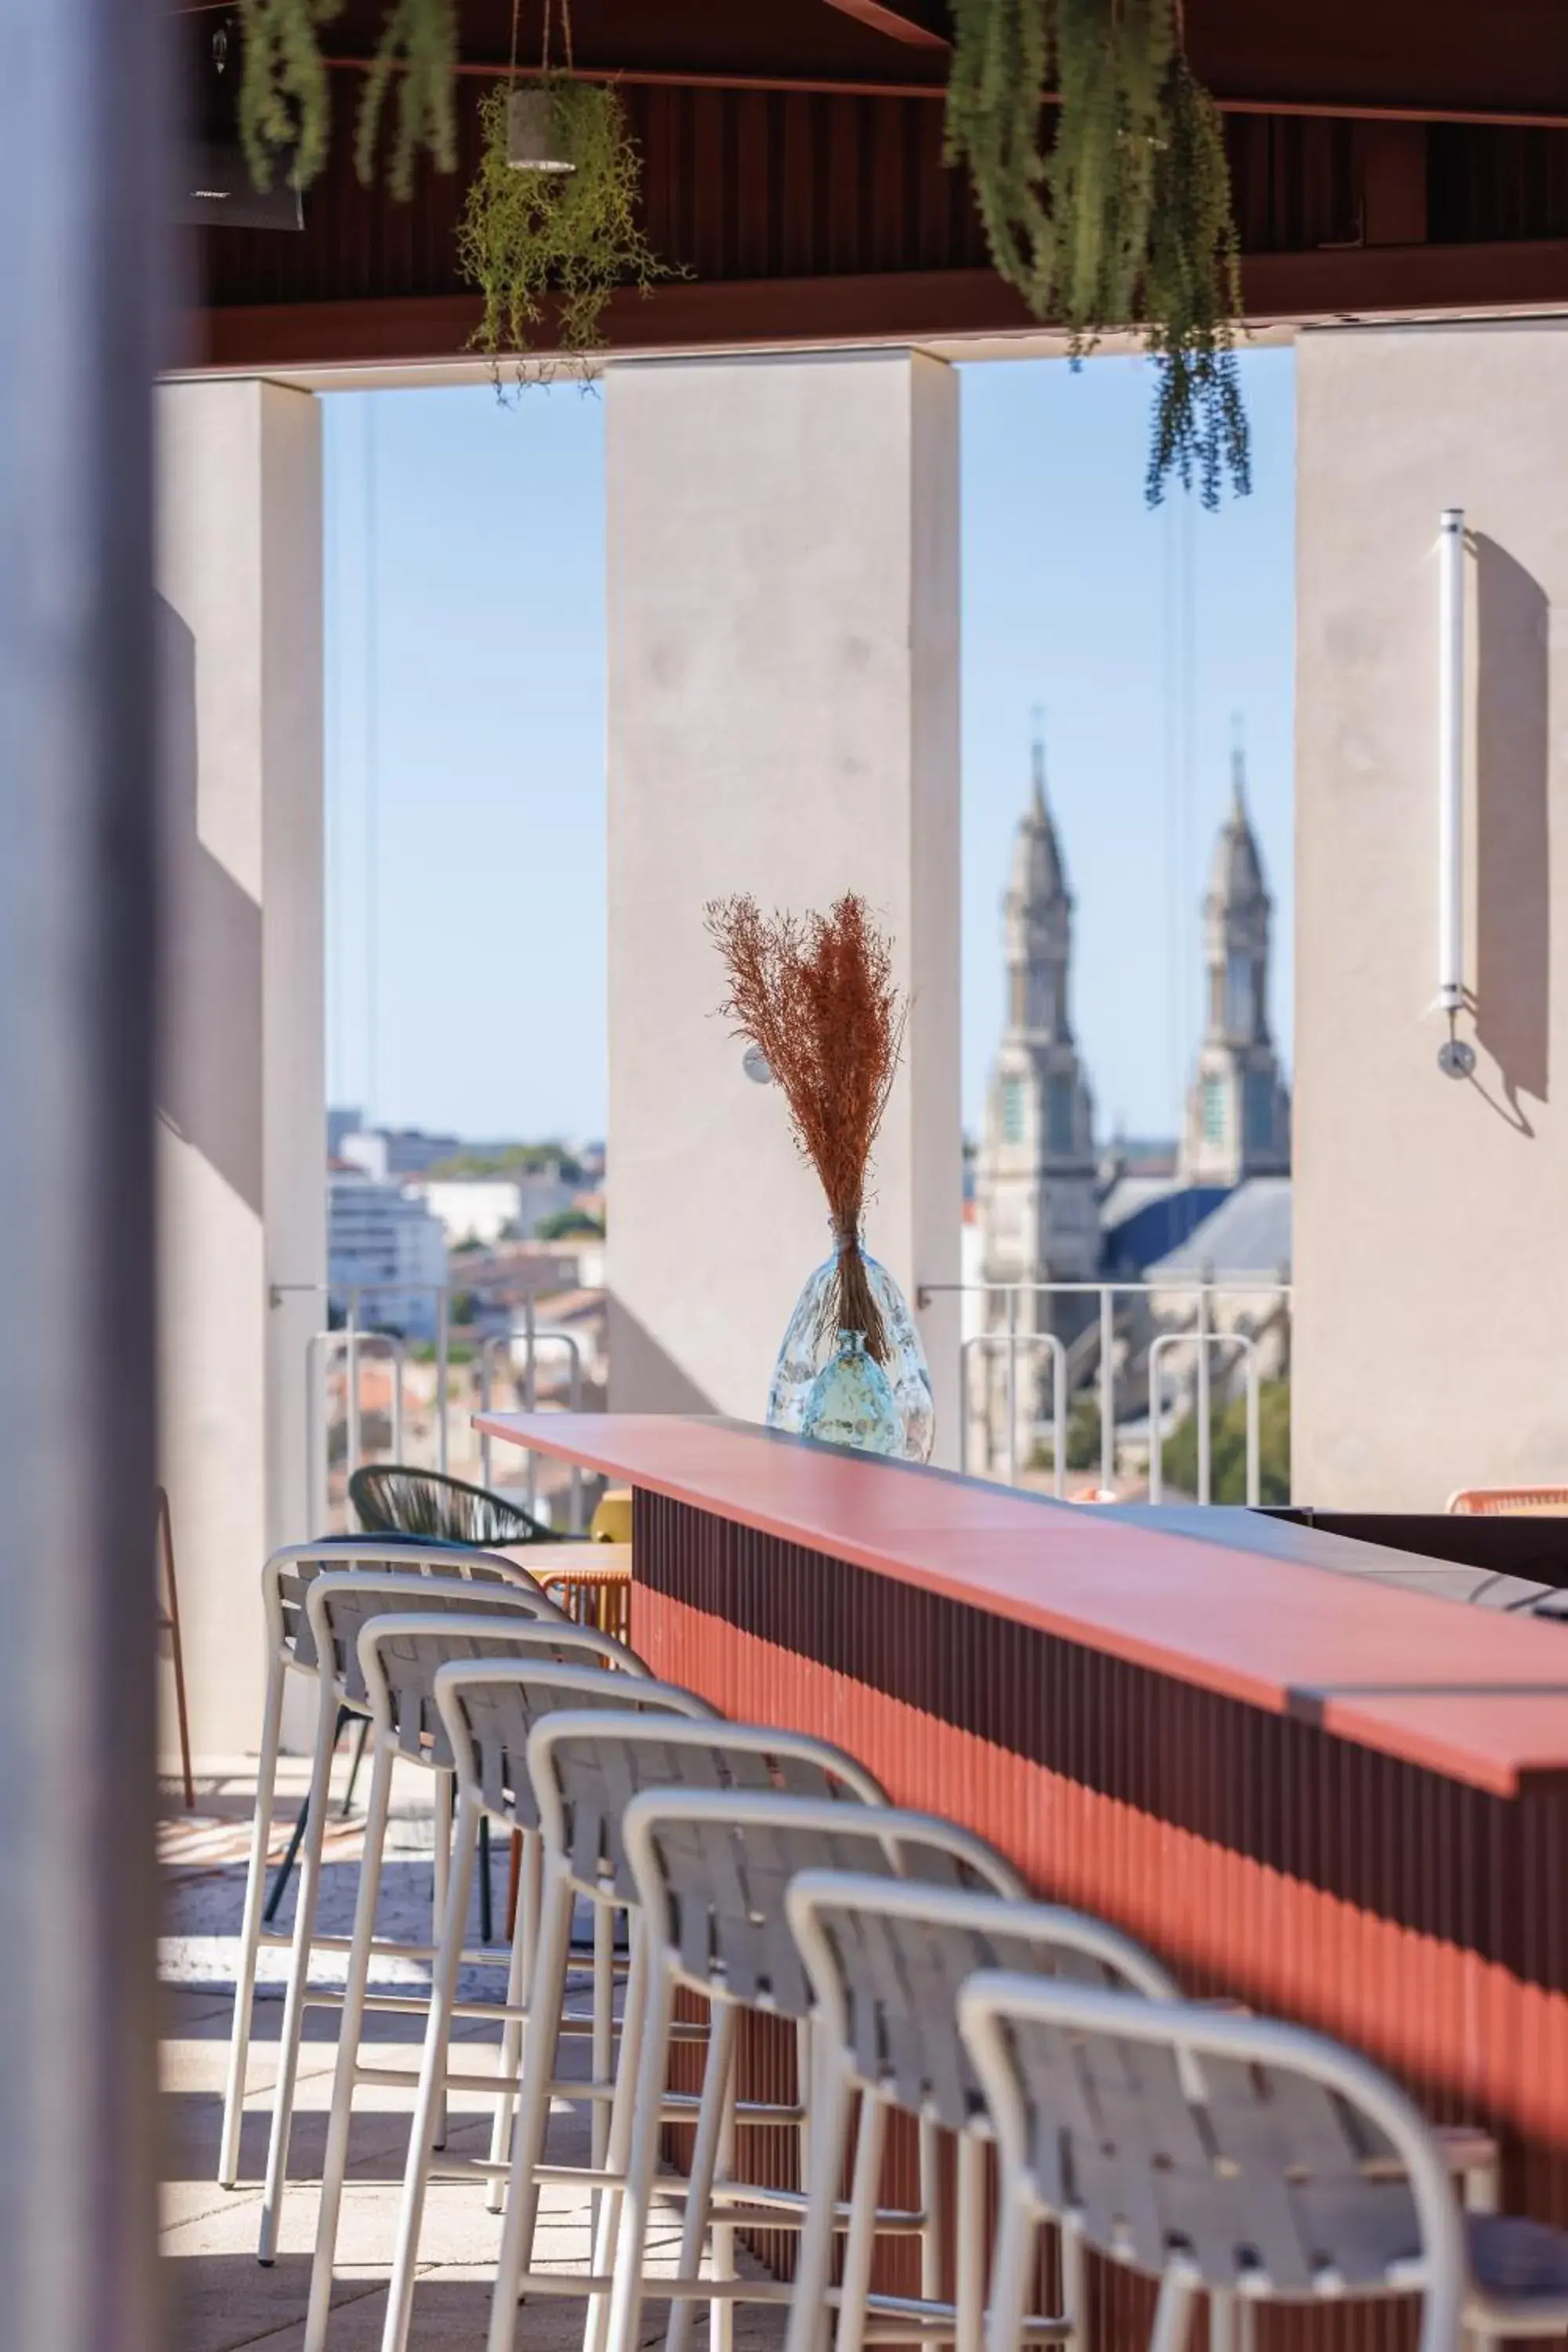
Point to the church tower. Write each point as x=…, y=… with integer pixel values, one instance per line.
x=1238, y=1111
x=1035, y=1181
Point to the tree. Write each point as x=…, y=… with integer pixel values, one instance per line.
x=1083, y=1440
x=567, y=1223
x=1227, y=1449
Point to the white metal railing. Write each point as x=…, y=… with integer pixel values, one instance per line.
x=1179, y=1317
x=354, y=1339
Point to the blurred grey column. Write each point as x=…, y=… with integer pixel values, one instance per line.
x=78, y=224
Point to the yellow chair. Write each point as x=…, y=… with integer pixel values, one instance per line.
x=612, y=1520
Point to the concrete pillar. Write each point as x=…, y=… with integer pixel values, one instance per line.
x=242, y=1126
x=783, y=720
x=1431, y=1249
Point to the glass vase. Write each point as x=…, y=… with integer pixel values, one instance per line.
x=850, y=1401
x=811, y=1339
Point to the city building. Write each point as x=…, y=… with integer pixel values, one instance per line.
x=1238, y=1111
x=383, y=1242
x=1035, y=1179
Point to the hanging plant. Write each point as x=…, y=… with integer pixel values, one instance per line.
x=562, y=230
x=1193, y=293
x=284, y=104
x=418, y=44
x=1124, y=218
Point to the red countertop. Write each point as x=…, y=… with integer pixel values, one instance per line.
x=1471, y=1692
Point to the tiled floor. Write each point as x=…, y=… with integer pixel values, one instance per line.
x=222, y=2298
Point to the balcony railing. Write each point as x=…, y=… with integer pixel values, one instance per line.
x=333, y=1370
x=1172, y=1347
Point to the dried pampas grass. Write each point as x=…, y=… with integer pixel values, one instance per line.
x=816, y=995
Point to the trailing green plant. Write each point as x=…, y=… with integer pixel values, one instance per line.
x=1193, y=292
x=1124, y=218
x=285, y=104
x=285, y=97
x=418, y=46
x=572, y=237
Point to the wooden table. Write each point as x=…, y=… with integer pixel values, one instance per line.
x=1313, y=1791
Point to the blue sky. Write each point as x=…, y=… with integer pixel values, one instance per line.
x=465, y=676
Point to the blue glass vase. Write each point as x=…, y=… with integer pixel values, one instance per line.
x=851, y=1401
x=812, y=1338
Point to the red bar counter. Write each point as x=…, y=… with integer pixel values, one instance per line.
x=1331, y=1798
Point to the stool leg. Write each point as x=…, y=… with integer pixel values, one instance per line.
x=298, y=1976
x=440, y=1879
x=721, y=2314
x=931, y=2206
x=642, y=2163
x=861, y=2242
x=429, y=2100
x=486, y=1920
x=250, y=1926
x=524, y=1933
x=601, y=2043
x=1010, y=2269
x=969, y=2264
x=617, y=2155
x=546, y=1997
x=707, y=2150
x=824, y=2089
x=341, y=2120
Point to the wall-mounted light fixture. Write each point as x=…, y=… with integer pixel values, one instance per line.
x=1456, y=1057
x=755, y=1063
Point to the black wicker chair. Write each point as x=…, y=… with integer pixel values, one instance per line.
x=390, y=1499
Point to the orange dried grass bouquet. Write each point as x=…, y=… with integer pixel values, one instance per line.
x=814, y=994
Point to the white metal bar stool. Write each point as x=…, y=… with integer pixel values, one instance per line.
x=336, y=1606
x=887, y=1960
x=1214, y=2149
x=400, y=1655
x=288, y=1650
x=737, y=1944
x=491, y=1713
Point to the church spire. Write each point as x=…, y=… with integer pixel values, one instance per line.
x=1237, y=768
x=1037, y=768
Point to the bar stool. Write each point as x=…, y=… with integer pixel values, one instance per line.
x=1221, y=2150
x=887, y=1960
x=491, y=1714
x=336, y=1606
x=289, y=1649
x=712, y=1870
x=400, y=1655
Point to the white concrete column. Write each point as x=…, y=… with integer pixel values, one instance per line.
x=1431, y=1248
x=242, y=1141
x=783, y=720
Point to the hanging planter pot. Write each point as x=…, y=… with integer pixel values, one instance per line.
x=550, y=230
x=534, y=140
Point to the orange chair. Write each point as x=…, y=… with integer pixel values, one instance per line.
x=1509, y=1502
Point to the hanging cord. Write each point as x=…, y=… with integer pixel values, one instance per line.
x=512, y=68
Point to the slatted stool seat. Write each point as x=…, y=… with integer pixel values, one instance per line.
x=289, y=1650
x=1220, y=2150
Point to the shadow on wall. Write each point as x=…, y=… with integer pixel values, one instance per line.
x=209, y=1077
x=642, y=1378
x=1513, y=913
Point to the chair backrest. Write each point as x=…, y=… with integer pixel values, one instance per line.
x=389, y=1494
x=420, y=1626
x=290, y=1572
x=491, y=1709
x=1293, y=2169
x=887, y=1957
x=713, y=1865
x=588, y=1776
